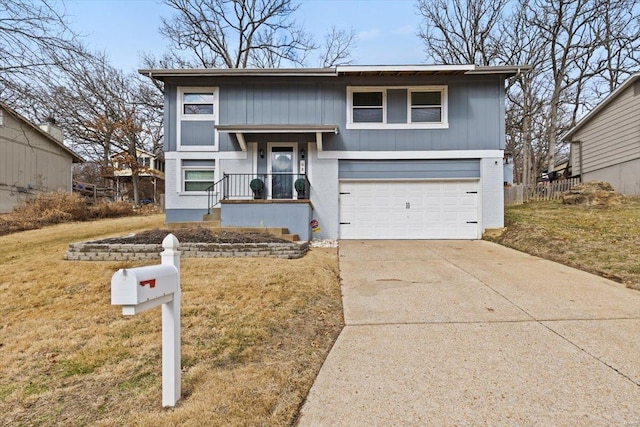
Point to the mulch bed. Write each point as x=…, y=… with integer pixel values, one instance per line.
x=194, y=235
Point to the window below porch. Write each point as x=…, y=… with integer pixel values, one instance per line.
x=197, y=175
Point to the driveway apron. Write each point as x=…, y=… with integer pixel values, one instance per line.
x=472, y=333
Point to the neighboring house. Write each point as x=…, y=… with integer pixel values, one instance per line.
x=377, y=152
x=33, y=159
x=605, y=144
x=150, y=173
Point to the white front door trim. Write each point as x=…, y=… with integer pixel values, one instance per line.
x=294, y=149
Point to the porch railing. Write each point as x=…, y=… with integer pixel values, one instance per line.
x=248, y=186
x=214, y=194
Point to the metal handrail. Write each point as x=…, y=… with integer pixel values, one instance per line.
x=265, y=185
x=212, y=194
x=239, y=186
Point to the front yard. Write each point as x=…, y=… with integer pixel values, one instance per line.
x=598, y=240
x=255, y=333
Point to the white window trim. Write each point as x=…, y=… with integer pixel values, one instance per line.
x=443, y=105
x=294, y=148
x=181, y=180
x=180, y=116
x=443, y=89
x=360, y=89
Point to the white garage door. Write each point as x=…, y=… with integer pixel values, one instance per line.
x=409, y=210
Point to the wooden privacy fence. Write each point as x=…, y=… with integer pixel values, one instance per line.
x=520, y=193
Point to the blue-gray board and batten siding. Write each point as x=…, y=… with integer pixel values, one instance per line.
x=295, y=216
x=475, y=112
x=198, y=133
x=184, y=215
x=409, y=169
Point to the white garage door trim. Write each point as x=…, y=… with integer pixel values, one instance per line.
x=410, y=209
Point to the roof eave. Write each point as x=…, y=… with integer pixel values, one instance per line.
x=508, y=70
x=75, y=158
x=162, y=74
x=613, y=95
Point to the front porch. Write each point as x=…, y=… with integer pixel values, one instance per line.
x=295, y=215
x=276, y=200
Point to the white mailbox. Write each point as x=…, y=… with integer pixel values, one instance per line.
x=133, y=286
x=142, y=288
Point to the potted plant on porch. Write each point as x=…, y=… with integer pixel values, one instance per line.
x=257, y=186
x=301, y=187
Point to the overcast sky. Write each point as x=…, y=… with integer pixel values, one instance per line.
x=123, y=28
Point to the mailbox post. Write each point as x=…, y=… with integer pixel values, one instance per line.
x=171, y=345
x=142, y=288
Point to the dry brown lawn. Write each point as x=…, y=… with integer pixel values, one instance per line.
x=255, y=333
x=604, y=241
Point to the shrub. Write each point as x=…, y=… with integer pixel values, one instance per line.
x=57, y=207
x=53, y=208
x=112, y=209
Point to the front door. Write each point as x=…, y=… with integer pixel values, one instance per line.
x=282, y=164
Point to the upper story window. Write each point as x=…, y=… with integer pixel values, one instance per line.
x=420, y=107
x=368, y=107
x=426, y=106
x=198, y=103
x=198, y=112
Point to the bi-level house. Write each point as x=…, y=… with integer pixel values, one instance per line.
x=351, y=152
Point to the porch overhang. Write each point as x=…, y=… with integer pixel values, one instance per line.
x=241, y=130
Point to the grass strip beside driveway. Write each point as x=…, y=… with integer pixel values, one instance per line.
x=604, y=241
x=255, y=333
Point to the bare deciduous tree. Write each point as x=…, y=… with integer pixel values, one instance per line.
x=237, y=33
x=337, y=47
x=566, y=27
x=105, y=111
x=579, y=50
x=242, y=34
x=619, y=30
x=461, y=31
x=34, y=36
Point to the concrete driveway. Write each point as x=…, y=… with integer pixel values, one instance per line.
x=472, y=333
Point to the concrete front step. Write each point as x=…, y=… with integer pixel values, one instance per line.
x=214, y=215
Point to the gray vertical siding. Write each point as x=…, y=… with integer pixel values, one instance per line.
x=294, y=216
x=409, y=169
x=200, y=133
x=475, y=111
x=276, y=103
x=397, y=106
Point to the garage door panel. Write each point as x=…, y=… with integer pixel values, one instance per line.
x=409, y=210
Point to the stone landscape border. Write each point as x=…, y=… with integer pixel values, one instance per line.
x=94, y=251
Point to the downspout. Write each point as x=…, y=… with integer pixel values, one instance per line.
x=581, y=168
